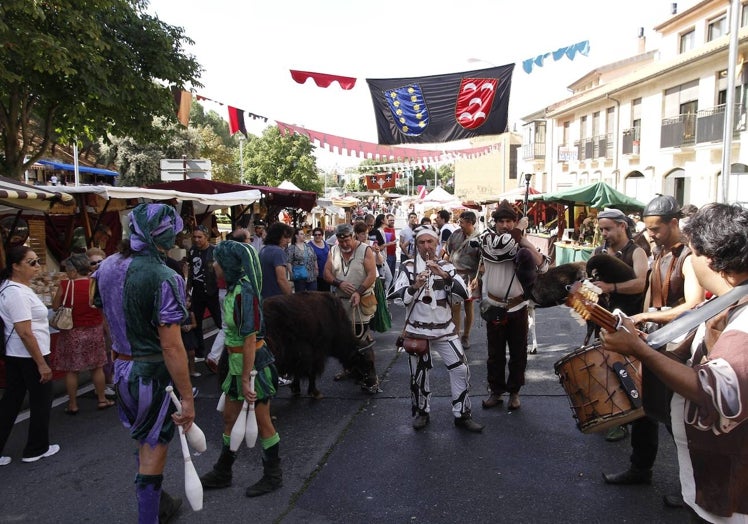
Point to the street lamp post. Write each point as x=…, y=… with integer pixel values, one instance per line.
x=241, y=158
x=528, y=176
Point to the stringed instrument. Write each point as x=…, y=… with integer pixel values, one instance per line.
x=583, y=298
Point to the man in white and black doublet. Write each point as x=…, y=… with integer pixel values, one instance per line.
x=432, y=320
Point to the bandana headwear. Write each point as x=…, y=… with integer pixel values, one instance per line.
x=241, y=267
x=154, y=226
x=613, y=214
x=235, y=259
x=426, y=230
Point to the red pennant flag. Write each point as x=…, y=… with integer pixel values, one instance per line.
x=381, y=181
x=322, y=79
x=236, y=120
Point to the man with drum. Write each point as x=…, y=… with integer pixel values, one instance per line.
x=511, y=264
x=709, y=408
x=673, y=290
x=626, y=296
x=614, y=228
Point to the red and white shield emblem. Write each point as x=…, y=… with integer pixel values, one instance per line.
x=474, y=101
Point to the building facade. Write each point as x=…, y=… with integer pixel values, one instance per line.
x=652, y=123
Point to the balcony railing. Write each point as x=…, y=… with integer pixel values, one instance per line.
x=678, y=131
x=630, y=141
x=534, y=151
x=603, y=146
x=585, y=149
x=710, y=123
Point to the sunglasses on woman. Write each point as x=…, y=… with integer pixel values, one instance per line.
x=33, y=262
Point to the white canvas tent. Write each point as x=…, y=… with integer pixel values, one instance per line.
x=287, y=184
x=438, y=196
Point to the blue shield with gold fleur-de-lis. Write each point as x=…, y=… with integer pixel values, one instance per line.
x=408, y=109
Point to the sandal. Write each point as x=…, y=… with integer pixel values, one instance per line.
x=71, y=412
x=104, y=404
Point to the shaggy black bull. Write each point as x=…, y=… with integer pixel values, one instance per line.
x=552, y=287
x=304, y=329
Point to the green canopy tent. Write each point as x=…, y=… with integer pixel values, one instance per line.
x=598, y=195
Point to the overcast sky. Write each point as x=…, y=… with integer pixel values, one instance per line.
x=248, y=47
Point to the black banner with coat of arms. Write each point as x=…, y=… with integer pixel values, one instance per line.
x=442, y=108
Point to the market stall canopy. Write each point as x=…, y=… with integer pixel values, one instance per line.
x=17, y=195
x=51, y=164
x=287, y=184
x=518, y=193
x=438, y=196
x=325, y=205
x=289, y=198
x=234, y=198
x=345, y=201
x=598, y=195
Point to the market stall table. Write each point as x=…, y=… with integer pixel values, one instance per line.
x=566, y=253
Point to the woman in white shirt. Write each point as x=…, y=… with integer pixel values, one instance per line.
x=26, y=337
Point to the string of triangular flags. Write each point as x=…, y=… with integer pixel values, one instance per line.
x=358, y=148
x=372, y=151
x=333, y=143
x=346, y=82
x=582, y=48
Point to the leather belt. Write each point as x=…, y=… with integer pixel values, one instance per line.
x=240, y=349
x=429, y=325
x=509, y=303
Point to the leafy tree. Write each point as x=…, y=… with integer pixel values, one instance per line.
x=211, y=119
x=139, y=164
x=271, y=158
x=84, y=69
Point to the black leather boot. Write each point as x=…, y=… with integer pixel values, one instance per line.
x=220, y=476
x=168, y=507
x=272, y=476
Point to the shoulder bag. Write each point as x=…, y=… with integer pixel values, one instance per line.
x=63, y=317
x=300, y=272
x=412, y=345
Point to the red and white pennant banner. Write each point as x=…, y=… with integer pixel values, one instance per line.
x=370, y=150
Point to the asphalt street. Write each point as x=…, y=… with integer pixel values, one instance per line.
x=354, y=458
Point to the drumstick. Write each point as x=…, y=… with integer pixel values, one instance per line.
x=250, y=435
x=195, y=435
x=193, y=489
x=239, y=429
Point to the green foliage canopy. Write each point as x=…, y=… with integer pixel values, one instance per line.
x=271, y=158
x=84, y=68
